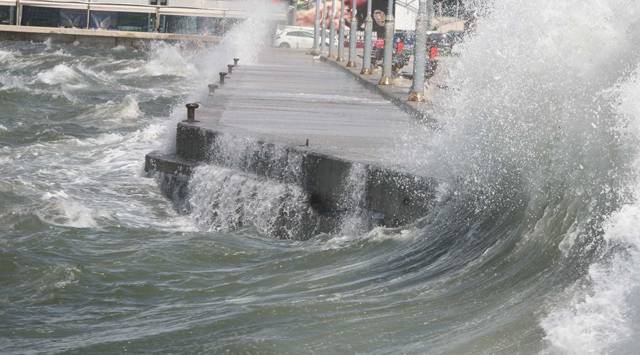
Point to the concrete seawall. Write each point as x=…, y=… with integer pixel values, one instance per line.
x=392, y=197
x=326, y=170
x=107, y=38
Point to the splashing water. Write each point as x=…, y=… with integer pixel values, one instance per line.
x=531, y=248
x=545, y=110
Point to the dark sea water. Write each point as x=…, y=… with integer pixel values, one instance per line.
x=532, y=247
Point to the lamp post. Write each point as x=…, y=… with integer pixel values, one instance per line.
x=341, y=33
x=423, y=22
x=389, y=29
x=353, y=35
x=368, y=28
x=332, y=33
x=323, y=27
x=316, y=30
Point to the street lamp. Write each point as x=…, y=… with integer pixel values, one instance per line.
x=389, y=28
x=353, y=35
x=323, y=36
x=368, y=28
x=423, y=22
x=316, y=30
x=341, y=33
x=332, y=41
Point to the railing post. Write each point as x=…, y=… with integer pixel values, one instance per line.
x=341, y=33
x=18, y=13
x=389, y=29
x=368, y=28
x=423, y=22
x=88, y=14
x=353, y=35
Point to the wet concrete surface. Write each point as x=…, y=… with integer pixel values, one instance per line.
x=290, y=96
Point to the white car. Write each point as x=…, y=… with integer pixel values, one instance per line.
x=294, y=38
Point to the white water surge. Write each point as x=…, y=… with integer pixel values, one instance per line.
x=544, y=97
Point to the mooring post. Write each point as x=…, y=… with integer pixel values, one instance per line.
x=423, y=22
x=222, y=75
x=353, y=35
x=212, y=88
x=235, y=61
x=191, y=112
x=229, y=68
x=389, y=29
x=368, y=28
x=341, y=33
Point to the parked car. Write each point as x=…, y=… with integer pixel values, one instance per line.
x=294, y=39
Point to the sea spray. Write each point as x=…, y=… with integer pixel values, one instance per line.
x=255, y=184
x=244, y=41
x=533, y=118
x=600, y=312
x=355, y=219
x=223, y=199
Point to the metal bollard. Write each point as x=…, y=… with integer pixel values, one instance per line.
x=212, y=88
x=235, y=61
x=230, y=68
x=191, y=112
x=222, y=75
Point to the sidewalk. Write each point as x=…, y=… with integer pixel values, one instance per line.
x=396, y=93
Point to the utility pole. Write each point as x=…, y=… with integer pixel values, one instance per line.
x=423, y=23
x=341, y=33
x=368, y=28
x=316, y=30
x=353, y=35
x=332, y=33
x=389, y=29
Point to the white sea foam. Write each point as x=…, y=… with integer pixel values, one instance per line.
x=601, y=313
x=62, y=210
x=536, y=99
x=125, y=110
x=168, y=59
x=60, y=74
x=7, y=56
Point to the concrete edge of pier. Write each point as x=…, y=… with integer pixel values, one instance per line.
x=97, y=37
x=390, y=197
x=396, y=95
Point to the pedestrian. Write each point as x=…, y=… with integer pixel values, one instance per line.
x=432, y=63
x=400, y=46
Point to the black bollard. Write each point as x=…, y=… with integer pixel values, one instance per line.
x=230, y=68
x=191, y=112
x=212, y=88
x=222, y=75
x=235, y=61
x=377, y=219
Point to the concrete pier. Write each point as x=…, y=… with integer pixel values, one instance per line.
x=309, y=124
